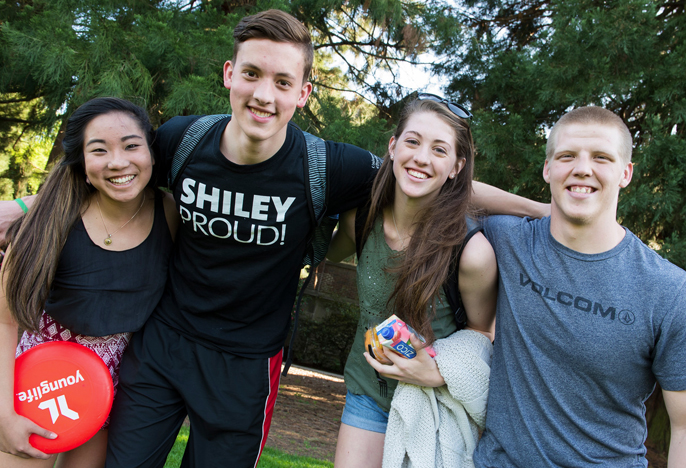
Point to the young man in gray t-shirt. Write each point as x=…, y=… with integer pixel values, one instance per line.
x=588, y=317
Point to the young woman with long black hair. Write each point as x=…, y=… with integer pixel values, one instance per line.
x=87, y=263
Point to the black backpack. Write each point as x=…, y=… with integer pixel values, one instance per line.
x=316, y=173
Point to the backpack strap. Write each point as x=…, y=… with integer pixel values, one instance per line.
x=316, y=172
x=190, y=139
x=317, y=178
x=451, y=286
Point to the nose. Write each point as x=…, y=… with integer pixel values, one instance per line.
x=422, y=155
x=119, y=160
x=582, y=165
x=264, y=92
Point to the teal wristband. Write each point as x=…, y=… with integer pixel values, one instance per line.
x=21, y=203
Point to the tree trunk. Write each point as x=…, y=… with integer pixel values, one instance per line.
x=57, y=151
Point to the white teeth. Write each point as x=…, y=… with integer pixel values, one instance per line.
x=417, y=174
x=260, y=113
x=581, y=189
x=121, y=180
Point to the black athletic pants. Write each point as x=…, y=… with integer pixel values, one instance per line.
x=164, y=376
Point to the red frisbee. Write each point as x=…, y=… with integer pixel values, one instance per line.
x=63, y=387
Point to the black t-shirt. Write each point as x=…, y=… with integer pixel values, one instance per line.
x=234, y=274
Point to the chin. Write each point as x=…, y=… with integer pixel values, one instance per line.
x=579, y=219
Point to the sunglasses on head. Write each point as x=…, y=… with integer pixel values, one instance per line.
x=456, y=109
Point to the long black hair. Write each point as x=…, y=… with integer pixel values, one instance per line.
x=38, y=237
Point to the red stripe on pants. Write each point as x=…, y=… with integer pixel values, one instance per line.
x=274, y=379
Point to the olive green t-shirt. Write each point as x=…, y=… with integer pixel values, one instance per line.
x=374, y=286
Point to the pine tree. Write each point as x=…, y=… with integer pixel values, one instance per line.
x=524, y=64
x=168, y=55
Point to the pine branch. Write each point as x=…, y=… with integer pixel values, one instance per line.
x=16, y=142
x=333, y=88
x=12, y=119
x=15, y=101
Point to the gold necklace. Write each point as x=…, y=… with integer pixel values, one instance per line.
x=108, y=239
x=402, y=241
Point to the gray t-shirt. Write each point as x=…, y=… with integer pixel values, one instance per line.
x=580, y=341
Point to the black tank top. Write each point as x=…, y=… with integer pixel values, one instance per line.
x=99, y=292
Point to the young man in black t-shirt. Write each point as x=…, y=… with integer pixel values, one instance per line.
x=213, y=347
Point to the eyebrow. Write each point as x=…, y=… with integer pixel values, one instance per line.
x=124, y=138
x=278, y=74
x=437, y=140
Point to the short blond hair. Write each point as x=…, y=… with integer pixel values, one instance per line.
x=592, y=115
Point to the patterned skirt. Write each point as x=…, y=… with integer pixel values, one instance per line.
x=110, y=348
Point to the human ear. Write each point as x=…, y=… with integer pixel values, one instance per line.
x=228, y=74
x=459, y=165
x=391, y=146
x=627, y=174
x=304, y=93
x=546, y=172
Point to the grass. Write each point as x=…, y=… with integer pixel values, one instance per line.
x=271, y=458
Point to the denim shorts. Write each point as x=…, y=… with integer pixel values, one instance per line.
x=363, y=412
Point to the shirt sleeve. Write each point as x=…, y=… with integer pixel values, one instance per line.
x=492, y=226
x=166, y=141
x=351, y=176
x=670, y=346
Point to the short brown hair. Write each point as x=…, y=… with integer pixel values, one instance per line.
x=277, y=26
x=592, y=115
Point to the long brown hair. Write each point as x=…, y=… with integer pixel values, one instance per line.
x=439, y=228
x=38, y=237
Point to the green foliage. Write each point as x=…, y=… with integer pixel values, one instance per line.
x=271, y=458
x=168, y=56
x=23, y=150
x=176, y=454
x=524, y=64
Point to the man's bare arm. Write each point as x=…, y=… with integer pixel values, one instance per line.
x=496, y=201
x=676, y=408
x=10, y=211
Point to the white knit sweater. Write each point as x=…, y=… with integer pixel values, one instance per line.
x=439, y=427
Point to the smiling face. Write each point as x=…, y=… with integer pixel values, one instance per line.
x=267, y=85
x=117, y=159
x=585, y=173
x=424, y=156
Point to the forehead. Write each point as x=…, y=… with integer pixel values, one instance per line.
x=430, y=126
x=278, y=58
x=115, y=121
x=593, y=138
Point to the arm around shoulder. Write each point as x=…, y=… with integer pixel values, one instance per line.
x=496, y=201
x=676, y=408
x=478, y=282
x=10, y=211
